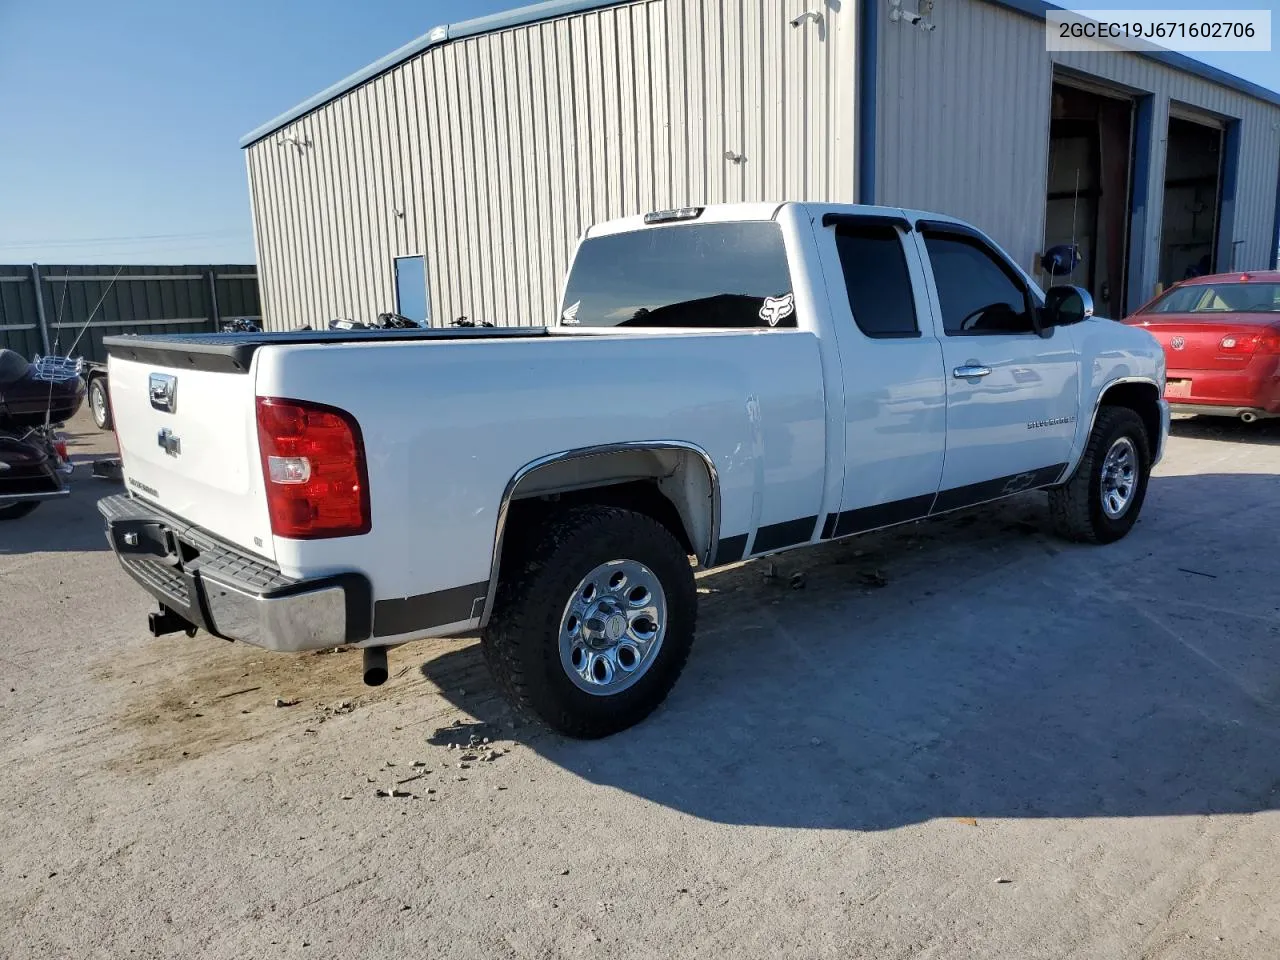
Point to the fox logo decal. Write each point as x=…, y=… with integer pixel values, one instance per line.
x=776, y=309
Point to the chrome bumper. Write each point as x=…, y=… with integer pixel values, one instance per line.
x=202, y=582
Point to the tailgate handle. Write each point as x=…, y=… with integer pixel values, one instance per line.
x=164, y=392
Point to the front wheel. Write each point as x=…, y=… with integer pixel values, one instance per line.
x=1102, y=500
x=593, y=622
x=15, y=511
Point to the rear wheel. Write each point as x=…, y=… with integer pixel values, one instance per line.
x=1102, y=500
x=593, y=620
x=15, y=511
x=99, y=404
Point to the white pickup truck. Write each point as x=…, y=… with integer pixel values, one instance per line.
x=722, y=383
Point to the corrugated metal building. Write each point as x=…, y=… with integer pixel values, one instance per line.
x=452, y=177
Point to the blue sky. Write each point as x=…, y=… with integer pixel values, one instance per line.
x=122, y=120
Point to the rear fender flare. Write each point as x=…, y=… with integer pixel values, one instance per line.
x=701, y=520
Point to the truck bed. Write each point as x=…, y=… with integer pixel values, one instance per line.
x=233, y=352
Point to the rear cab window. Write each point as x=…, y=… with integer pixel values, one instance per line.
x=877, y=280
x=728, y=275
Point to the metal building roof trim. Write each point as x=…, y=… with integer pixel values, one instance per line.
x=557, y=8
x=533, y=13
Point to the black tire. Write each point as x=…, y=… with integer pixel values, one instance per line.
x=1076, y=506
x=16, y=511
x=100, y=403
x=521, y=642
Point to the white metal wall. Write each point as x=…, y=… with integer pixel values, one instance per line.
x=962, y=127
x=490, y=154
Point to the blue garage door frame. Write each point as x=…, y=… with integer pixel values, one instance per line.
x=1226, y=261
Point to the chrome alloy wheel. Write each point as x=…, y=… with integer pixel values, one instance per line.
x=1119, y=477
x=612, y=627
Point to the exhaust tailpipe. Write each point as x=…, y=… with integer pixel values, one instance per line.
x=1248, y=416
x=375, y=666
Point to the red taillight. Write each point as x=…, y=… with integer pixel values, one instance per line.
x=314, y=470
x=60, y=445
x=1269, y=342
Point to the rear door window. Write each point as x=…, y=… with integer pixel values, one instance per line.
x=706, y=275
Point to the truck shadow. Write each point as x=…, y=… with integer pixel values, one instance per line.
x=997, y=673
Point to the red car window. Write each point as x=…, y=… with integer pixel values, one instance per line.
x=1220, y=298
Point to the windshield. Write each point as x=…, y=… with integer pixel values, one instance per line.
x=1220, y=298
x=697, y=275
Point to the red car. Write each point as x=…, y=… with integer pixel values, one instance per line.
x=1221, y=339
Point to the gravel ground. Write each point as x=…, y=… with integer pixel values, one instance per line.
x=961, y=739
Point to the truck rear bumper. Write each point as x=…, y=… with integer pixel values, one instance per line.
x=211, y=585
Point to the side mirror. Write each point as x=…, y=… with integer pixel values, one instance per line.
x=1065, y=305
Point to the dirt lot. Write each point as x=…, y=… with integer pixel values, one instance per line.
x=961, y=739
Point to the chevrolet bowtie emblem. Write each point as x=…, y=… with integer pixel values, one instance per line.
x=169, y=443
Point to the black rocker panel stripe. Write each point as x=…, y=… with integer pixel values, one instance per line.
x=975, y=493
x=917, y=508
x=786, y=534
x=880, y=515
x=427, y=610
x=730, y=550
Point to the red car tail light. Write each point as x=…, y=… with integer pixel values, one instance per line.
x=1269, y=342
x=314, y=469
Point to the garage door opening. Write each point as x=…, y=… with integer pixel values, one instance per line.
x=1192, y=201
x=1091, y=163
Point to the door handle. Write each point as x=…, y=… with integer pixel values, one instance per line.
x=970, y=371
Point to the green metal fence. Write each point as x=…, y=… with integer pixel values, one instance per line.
x=69, y=309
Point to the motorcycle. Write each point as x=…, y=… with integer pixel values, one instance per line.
x=239, y=325
x=385, y=321
x=35, y=398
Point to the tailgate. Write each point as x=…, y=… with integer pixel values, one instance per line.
x=189, y=442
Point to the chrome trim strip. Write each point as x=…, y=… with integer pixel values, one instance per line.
x=597, y=451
